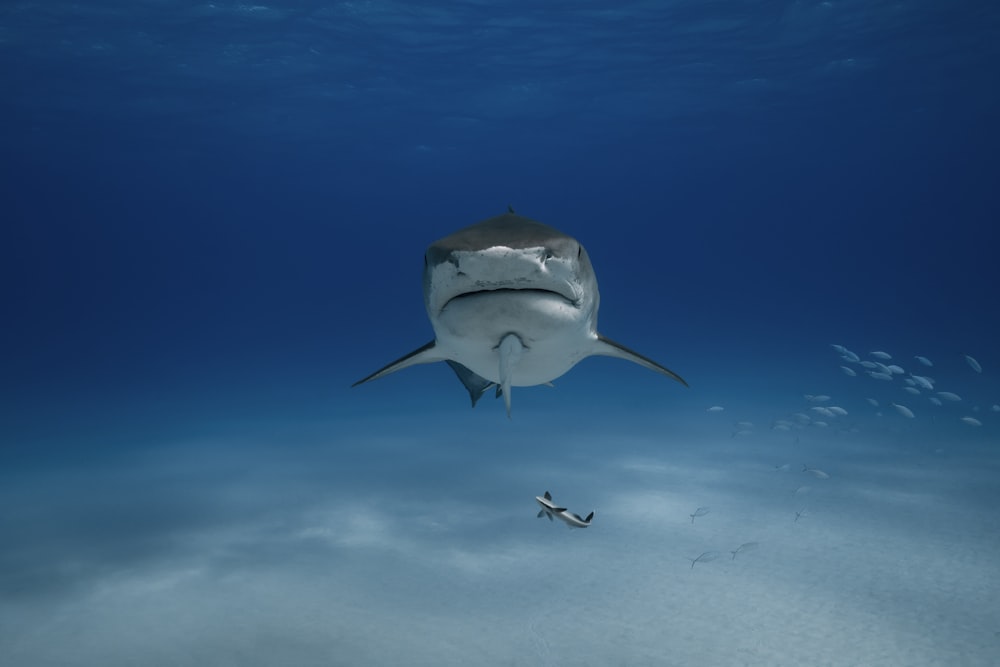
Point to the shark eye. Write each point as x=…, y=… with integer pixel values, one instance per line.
x=579, y=252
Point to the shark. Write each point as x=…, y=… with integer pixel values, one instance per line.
x=551, y=510
x=513, y=303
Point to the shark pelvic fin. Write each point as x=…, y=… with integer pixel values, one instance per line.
x=606, y=347
x=475, y=384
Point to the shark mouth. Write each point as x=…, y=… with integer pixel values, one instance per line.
x=566, y=294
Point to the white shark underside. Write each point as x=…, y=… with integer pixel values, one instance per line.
x=512, y=302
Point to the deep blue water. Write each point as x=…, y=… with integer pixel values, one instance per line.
x=213, y=222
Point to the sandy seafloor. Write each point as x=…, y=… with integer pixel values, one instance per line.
x=412, y=538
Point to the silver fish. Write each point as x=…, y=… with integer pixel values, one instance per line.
x=903, y=410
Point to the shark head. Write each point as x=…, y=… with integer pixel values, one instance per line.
x=512, y=302
x=505, y=254
x=511, y=276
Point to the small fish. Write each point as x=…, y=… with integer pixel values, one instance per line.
x=879, y=354
x=744, y=425
x=784, y=467
x=821, y=424
x=837, y=410
x=972, y=421
x=551, y=510
x=912, y=390
x=903, y=410
x=935, y=400
x=924, y=360
x=869, y=364
x=882, y=368
x=872, y=401
x=701, y=511
x=973, y=364
x=743, y=548
x=895, y=370
x=949, y=396
x=846, y=354
x=850, y=372
x=995, y=408
x=800, y=514
x=819, y=398
x=716, y=408
x=880, y=376
x=815, y=472
x=704, y=558
x=923, y=381
x=826, y=412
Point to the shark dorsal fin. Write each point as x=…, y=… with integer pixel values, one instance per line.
x=548, y=496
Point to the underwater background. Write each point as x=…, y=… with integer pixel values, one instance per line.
x=213, y=222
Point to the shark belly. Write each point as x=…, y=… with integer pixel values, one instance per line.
x=554, y=332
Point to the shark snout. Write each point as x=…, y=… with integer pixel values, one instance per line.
x=459, y=274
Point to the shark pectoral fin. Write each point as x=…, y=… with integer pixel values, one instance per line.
x=476, y=385
x=540, y=513
x=550, y=516
x=606, y=347
x=422, y=355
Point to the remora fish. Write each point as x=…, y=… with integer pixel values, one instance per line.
x=551, y=510
x=513, y=303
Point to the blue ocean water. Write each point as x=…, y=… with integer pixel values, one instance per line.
x=213, y=223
